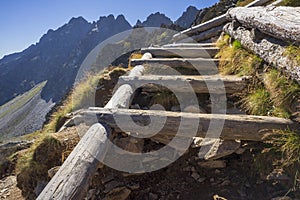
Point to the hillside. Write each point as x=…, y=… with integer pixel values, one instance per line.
x=174, y=120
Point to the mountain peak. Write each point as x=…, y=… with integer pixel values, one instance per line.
x=155, y=20
x=188, y=17
x=78, y=20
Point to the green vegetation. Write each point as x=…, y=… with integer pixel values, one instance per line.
x=242, y=3
x=80, y=97
x=270, y=93
x=257, y=102
x=293, y=3
x=235, y=59
x=293, y=53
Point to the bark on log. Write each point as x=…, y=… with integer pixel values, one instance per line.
x=72, y=179
x=200, y=84
x=269, y=49
x=183, y=45
x=205, y=35
x=217, y=21
x=279, y=22
x=236, y=127
x=205, y=65
x=204, y=52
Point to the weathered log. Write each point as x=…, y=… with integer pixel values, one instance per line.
x=72, y=179
x=201, y=84
x=188, y=52
x=215, y=22
x=200, y=64
x=269, y=49
x=236, y=127
x=124, y=94
x=279, y=22
x=183, y=45
x=205, y=35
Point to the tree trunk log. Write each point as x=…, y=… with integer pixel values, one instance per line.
x=202, y=65
x=279, y=22
x=269, y=49
x=215, y=22
x=191, y=52
x=73, y=178
x=236, y=127
x=199, y=84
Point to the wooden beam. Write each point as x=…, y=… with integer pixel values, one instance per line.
x=205, y=35
x=215, y=22
x=269, y=49
x=187, y=52
x=72, y=179
x=236, y=127
x=183, y=45
x=232, y=84
x=200, y=64
x=279, y=22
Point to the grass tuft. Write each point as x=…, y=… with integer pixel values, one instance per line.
x=235, y=59
x=257, y=102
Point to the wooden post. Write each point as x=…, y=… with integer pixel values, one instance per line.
x=72, y=179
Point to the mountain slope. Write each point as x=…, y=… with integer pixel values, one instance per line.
x=56, y=58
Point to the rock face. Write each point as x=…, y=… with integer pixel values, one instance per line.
x=187, y=18
x=218, y=9
x=155, y=20
x=55, y=58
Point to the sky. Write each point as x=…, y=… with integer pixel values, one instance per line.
x=23, y=22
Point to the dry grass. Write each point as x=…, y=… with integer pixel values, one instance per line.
x=235, y=59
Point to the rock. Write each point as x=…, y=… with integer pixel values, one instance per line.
x=278, y=175
x=39, y=187
x=240, y=151
x=217, y=148
x=197, y=141
x=121, y=193
x=213, y=164
x=176, y=109
x=111, y=185
x=7, y=150
x=134, y=145
x=153, y=196
x=107, y=178
x=225, y=183
x=52, y=171
x=194, y=109
x=134, y=186
x=282, y=198
x=195, y=175
x=135, y=106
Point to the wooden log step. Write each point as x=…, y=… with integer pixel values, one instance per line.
x=199, y=84
x=279, y=22
x=183, y=45
x=187, y=52
x=215, y=22
x=73, y=178
x=204, y=64
x=236, y=127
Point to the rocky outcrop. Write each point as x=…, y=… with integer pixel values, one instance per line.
x=187, y=18
x=155, y=20
x=55, y=58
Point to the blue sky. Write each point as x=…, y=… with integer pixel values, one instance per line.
x=23, y=22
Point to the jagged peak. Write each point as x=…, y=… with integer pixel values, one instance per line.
x=79, y=19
